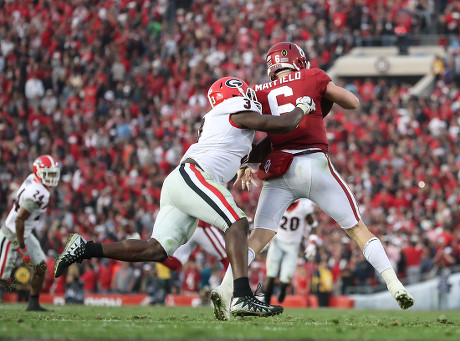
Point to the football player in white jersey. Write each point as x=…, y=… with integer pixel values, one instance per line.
x=296, y=223
x=16, y=233
x=206, y=236
x=195, y=190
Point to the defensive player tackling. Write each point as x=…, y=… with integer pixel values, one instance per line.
x=195, y=190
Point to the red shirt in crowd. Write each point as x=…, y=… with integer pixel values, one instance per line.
x=413, y=255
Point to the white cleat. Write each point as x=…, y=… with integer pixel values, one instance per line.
x=401, y=295
x=221, y=304
x=404, y=299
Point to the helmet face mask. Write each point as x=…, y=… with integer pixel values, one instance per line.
x=46, y=169
x=285, y=56
x=229, y=87
x=251, y=94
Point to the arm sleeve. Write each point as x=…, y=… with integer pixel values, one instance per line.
x=322, y=80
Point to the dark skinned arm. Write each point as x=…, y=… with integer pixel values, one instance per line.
x=311, y=220
x=260, y=151
x=23, y=214
x=268, y=123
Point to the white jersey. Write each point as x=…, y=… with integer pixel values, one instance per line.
x=293, y=226
x=222, y=143
x=34, y=197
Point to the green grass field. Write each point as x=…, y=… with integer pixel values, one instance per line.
x=76, y=322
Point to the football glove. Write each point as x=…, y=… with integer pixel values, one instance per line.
x=306, y=104
x=310, y=250
x=24, y=254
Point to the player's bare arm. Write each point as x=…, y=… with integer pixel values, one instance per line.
x=260, y=150
x=346, y=99
x=258, y=153
x=23, y=214
x=268, y=123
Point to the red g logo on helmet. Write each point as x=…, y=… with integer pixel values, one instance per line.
x=225, y=88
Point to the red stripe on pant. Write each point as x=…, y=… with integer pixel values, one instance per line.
x=7, y=248
x=214, y=190
x=213, y=244
x=345, y=189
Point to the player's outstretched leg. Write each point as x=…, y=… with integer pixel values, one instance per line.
x=73, y=252
x=375, y=254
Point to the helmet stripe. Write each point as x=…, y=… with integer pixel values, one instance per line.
x=51, y=160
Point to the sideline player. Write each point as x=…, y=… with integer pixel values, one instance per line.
x=16, y=233
x=209, y=238
x=296, y=223
x=304, y=169
x=195, y=190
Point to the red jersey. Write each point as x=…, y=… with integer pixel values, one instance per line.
x=279, y=97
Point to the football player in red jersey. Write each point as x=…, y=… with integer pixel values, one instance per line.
x=298, y=165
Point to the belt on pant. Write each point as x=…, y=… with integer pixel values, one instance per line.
x=192, y=162
x=308, y=151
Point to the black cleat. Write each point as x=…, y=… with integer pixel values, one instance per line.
x=251, y=306
x=73, y=252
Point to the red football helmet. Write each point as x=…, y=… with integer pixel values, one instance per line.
x=229, y=87
x=46, y=170
x=285, y=56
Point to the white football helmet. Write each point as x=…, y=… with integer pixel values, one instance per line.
x=46, y=169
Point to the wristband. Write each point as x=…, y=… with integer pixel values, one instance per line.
x=313, y=239
x=302, y=107
x=22, y=245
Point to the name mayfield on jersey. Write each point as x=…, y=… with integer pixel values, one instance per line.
x=279, y=97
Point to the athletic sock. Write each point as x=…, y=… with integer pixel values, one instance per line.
x=241, y=287
x=93, y=249
x=375, y=254
x=33, y=299
x=173, y=263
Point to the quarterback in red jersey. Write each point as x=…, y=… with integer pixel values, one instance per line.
x=277, y=97
x=298, y=165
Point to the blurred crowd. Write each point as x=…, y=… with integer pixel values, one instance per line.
x=115, y=91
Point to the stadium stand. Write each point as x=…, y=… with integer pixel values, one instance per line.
x=115, y=91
